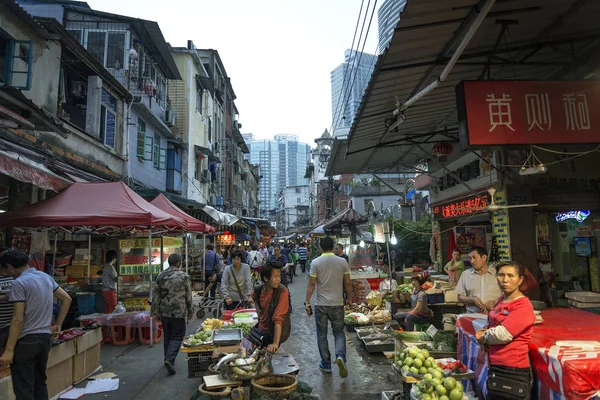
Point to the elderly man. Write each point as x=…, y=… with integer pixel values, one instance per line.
x=171, y=303
x=477, y=287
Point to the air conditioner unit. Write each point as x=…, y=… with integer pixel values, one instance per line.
x=170, y=118
x=205, y=176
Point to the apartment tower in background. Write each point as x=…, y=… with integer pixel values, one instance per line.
x=348, y=83
x=282, y=162
x=388, y=16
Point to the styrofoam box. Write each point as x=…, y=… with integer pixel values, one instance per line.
x=580, y=304
x=584, y=297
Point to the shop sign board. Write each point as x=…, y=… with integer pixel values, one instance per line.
x=359, y=257
x=226, y=238
x=139, y=269
x=495, y=113
x=580, y=216
x=138, y=243
x=462, y=207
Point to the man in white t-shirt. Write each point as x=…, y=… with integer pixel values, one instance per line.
x=329, y=275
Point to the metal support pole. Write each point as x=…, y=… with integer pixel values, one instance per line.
x=186, y=254
x=387, y=243
x=89, y=259
x=54, y=254
x=150, y=295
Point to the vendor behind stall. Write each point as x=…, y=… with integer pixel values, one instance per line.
x=109, y=282
x=455, y=267
x=477, y=287
x=507, y=338
x=419, y=313
x=272, y=304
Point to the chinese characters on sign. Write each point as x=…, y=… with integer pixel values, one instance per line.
x=139, y=269
x=226, y=239
x=460, y=208
x=528, y=112
x=465, y=173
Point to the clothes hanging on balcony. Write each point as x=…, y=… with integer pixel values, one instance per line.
x=213, y=167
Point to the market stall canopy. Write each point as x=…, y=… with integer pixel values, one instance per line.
x=220, y=218
x=192, y=224
x=398, y=123
x=103, y=208
x=347, y=217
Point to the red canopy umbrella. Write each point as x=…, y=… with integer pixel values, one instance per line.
x=192, y=224
x=106, y=207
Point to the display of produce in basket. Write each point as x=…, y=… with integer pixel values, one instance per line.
x=430, y=388
x=417, y=362
x=236, y=367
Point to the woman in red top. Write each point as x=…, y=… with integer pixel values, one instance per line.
x=507, y=338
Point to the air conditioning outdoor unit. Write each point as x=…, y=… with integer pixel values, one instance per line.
x=170, y=118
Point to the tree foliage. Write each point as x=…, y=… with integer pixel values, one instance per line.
x=413, y=247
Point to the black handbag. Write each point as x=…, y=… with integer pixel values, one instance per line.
x=509, y=383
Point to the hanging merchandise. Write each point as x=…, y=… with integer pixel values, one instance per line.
x=494, y=252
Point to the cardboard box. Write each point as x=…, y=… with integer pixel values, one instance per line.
x=87, y=354
x=59, y=370
x=6, y=388
x=450, y=296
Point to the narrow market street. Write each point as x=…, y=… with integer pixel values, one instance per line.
x=142, y=374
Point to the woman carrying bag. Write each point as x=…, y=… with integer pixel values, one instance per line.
x=236, y=283
x=507, y=338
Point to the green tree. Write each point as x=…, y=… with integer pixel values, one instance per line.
x=413, y=241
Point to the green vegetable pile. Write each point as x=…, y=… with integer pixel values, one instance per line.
x=406, y=288
x=244, y=327
x=199, y=338
x=350, y=321
x=446, y=341
x=412, y=336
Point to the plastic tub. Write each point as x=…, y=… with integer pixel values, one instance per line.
x=85, y=302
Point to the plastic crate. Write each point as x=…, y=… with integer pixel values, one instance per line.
x=85, y=302
x=198, y=363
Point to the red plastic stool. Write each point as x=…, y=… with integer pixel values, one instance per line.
x=122, y=335
x=106, y=335
x=144, y=334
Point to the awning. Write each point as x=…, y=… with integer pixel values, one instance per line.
x=148, y=193
x=221, y=218
x=200, y=150
x=24, y=169
x=529, y=39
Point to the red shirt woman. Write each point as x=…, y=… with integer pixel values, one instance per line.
x=507, y=338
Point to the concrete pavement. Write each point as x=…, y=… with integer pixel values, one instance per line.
x=143, y=376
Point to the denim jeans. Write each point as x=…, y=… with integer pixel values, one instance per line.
x=408, y=321
x=29, y=367
x=174, y=331
x=335, y=314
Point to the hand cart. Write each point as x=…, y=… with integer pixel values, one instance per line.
x=206, y=304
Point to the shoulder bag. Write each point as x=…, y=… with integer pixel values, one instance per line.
x=237, y=285
x=509, y=383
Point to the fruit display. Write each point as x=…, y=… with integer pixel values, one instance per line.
x=432, y=388
x=210, y=324
x=414, y=361
x=199, y=338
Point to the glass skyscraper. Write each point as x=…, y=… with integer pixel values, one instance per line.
x=282, y=163
x=388, y=16
x=355, y=72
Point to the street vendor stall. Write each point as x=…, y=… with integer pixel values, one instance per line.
x=564, y=353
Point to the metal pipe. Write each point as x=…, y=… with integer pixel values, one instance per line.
x=187, y=269
x=54, y=254
x=89, y=258
x=150, y=295
x=454, y=59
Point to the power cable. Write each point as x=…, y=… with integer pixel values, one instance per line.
x=345, y=76
x=356, y=62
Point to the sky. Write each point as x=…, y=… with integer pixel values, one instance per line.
x=278, y=53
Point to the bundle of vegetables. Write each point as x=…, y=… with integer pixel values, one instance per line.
x=361, y=319
x=244, y=327
x=235, y=367
x=350, y=320
x=412, y=336
x=446, y=341
x=375, y=298
x=405, y=288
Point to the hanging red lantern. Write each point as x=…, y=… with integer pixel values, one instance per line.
x=442, y=149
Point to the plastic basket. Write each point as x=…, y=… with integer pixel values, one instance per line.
x=198, y=363
x=85, y=302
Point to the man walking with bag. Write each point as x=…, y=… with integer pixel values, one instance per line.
x=171, y=304
x=329, y=274
x=211, y=269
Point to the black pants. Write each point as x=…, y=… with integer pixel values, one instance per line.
x=303, y=265
x=213, y=289
x=29, y=367
x=174, y=332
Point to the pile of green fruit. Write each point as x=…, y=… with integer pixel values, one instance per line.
x=418, y=362
x=199, y=338
x=432, y=388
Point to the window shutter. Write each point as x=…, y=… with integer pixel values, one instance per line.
x=141, y=144
x=149, y=148
x=162, y=159
x=19, y=61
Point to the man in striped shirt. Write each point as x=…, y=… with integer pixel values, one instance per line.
x=303, y=253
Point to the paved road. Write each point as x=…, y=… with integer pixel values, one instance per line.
x=142, y=374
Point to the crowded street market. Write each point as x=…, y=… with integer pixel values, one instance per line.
x=444, y=230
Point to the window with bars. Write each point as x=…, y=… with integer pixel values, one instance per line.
x=108, y=119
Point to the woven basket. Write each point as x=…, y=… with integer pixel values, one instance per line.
x=215, y=394
x=275, y=385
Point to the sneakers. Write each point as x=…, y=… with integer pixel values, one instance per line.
x=325, y=368
x=342, y=367
x=170, y=368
